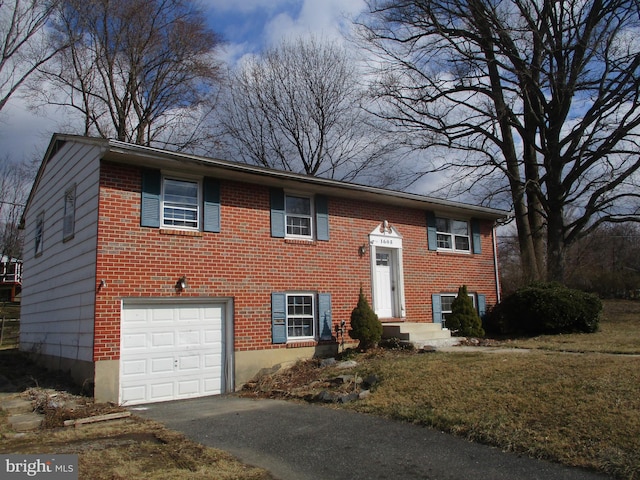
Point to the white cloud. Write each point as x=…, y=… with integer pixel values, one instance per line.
x=248, y=25
x=324, y=19
x=247, y=6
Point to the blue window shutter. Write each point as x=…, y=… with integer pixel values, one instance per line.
x=324, y=316
x=150, y=199
x=322, y=218
x=436, y=307
x=277, y=212
x=482, y=305
x=278, y=317
x=211, y=217
x=475, y=234
x=432, y=233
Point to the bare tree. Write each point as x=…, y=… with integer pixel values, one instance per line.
x=139, y=71
x=23, y=47
x=541, y=94
x=298, y=108
x=15, y=180
x=607, y=261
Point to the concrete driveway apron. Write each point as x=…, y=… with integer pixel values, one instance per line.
x=297, y=441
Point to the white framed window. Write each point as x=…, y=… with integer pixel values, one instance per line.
x=181, y=203
x=298, y=216
x=69, y=218
x=453, y=235
x=39, y=234
x=300, y=316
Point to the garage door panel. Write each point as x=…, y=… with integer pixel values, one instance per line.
x=193, y=315
x=188, y=387
x=131, y=341
x=212, y=361
x=161, y=391
x=212, y=336
x=162, y=339
x=171, y=351
x=188, y=362
x=134, y=367
x=162, y=365
x=136, y=394
x=189, y=338
x=161, y=314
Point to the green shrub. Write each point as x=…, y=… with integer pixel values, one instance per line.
x=365, y=325
x=464, y=320
x=542, y=308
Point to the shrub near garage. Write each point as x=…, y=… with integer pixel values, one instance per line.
x=545, y=308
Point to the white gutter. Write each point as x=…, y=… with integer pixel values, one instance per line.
x=495, y=262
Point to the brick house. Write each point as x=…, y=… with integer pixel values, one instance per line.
x=154, y=275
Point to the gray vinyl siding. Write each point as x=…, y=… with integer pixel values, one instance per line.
x=58, y=296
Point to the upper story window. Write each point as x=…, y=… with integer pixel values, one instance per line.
x=69, y=219
x=299, y=216
x=453, y=235
x=168, y=201
x=180, y=203
x=39, y=234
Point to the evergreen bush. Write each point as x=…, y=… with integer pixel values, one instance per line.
x=464, y=320
x=545, y=308
x=365, y=325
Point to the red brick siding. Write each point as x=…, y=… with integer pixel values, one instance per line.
x=243, y=261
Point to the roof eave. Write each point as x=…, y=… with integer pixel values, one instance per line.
x=150, y=157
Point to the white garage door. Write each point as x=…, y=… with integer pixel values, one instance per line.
x=171, y=351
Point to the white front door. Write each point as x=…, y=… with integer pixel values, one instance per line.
x=171, y=351
x=384, y=283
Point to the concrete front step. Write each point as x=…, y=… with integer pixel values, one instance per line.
x=415, y=332
x=25, y=422
x=16, y=405
x=21, y=417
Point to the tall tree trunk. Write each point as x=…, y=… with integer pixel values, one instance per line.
x=556, y=260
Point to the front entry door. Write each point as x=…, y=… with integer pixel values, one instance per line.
x=385, y=283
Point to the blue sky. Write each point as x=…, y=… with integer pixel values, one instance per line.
x=246, y=26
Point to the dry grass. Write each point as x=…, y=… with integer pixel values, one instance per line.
x=619, y=333
x=132, y=448
x=581, y=410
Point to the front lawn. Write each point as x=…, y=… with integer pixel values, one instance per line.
x=542, y=399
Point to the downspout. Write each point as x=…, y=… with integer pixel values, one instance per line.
x=495, y=262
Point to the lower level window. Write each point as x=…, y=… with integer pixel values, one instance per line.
x=447, y=301
x=300, y=316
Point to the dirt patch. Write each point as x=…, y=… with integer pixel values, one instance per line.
x=110, y=450
x=340, y=380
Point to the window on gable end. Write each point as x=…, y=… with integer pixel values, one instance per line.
x=39, y=236
x=69, y=218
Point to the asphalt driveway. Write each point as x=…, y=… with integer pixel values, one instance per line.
x=310, y=442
